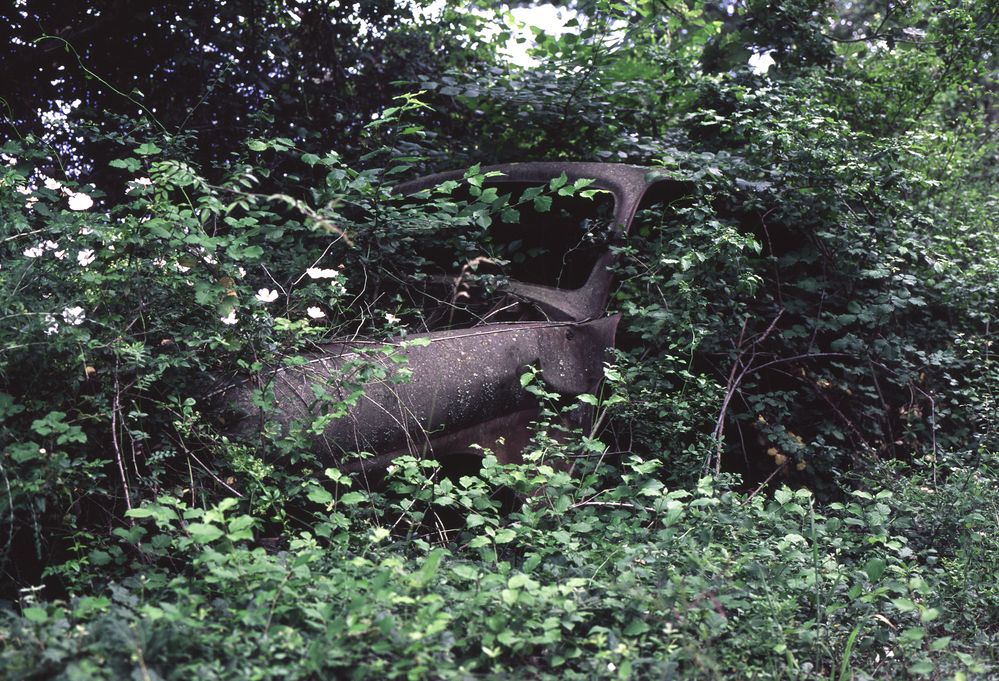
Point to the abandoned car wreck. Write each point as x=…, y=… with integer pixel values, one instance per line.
x=452, y=390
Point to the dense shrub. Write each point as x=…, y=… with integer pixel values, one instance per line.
x=791, y=470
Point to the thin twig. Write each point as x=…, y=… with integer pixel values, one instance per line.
x=115, y=411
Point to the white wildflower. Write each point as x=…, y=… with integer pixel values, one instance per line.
x=86, y=231
x=80, y=201
x=50, y=245
x=73, y=316
x=54, y=185
x=159, y=262
x=230, y=318
x=318, y=273
x=53, y=325
x=85, y=257
x=315, y=313
x=34, y=251
x=242, y=272
x=266, y=295
x=760, y=62
x=181, y=268
x=30, y=203
x=144, y=181
x=60, y=254
x=391, y=318
x=21, y=189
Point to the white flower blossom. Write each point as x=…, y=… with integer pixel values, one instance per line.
x=144, y=181
x=34, y=251
x=54, y=185
x=80, y=201
x=391, y=318
x=760, y=62
x=86, y=231
x=318, y=273
x=73, y=316
x=21, y=189
x=315, y=313
x=53, y=325
x=30, y=203
x=266, y=295
x=85, y=257
x=60, y=254
x=50, y=245
x=181, y=268
x=230, y=318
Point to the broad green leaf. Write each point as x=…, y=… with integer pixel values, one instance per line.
x=543, y=204
x=353, y=498
x=204, y=533
x=783, y=495
x=429, y=569
x=874, y=568
x=147, y=149
x=35, y=614
x=319, y=495
x=504, y=536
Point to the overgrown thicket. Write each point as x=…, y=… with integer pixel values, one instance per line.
x=792, y=467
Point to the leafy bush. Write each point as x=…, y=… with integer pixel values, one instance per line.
x=815, y=315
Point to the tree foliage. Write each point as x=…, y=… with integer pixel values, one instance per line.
x=190, y=191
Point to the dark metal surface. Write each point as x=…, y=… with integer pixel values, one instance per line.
x=628, y=184
x=450, y=390
x=421, y=393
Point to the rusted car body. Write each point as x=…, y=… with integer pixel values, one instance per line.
x=447, y=391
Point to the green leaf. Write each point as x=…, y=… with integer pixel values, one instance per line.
x=429, y=569
x=240, y=525
x=543, y=204
x=504, y=536
x=874, y=568
x=130, y=164
x=319, y=495
x=636, y=628
x=519, y=581
x=466, y=571
x=940, y=643
x=147, y=149
x=353, y=498
x=912, y=634
x=204, y=533
x=557, y=182
x=99, y=558
x=929, y=615
x=35, y=614
x=783, y=495
x=510, y=216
